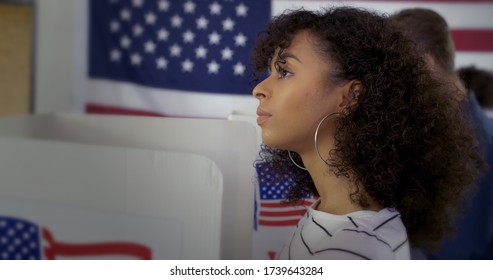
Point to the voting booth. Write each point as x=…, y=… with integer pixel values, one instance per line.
x=90, y=186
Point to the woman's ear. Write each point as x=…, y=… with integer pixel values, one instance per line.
x=351, y=92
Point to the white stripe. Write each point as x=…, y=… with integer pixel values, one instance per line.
x=463, y=15
x=482, y=60
x=170, y=102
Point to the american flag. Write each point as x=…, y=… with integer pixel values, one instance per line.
x=273, y=187
x=187, y=58
x=187, y=45
x=23, y=240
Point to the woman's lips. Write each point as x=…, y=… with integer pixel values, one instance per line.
x=262, y=119
x=262, y=116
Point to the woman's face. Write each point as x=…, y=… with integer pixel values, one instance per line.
x=296, y=96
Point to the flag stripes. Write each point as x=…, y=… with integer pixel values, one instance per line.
x=473, y=40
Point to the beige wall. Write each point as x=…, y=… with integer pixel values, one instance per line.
x=15, y=58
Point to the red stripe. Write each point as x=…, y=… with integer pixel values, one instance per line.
x=282, y=213
x=109, y=110
x=278, y=223
x=473, y=39
x=55, y=249
x=92, y=108
x=282, y=205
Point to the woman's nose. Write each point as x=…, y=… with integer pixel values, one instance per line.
x=261, y=91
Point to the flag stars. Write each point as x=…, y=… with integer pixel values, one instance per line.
x=176, y=21
x=201, y=52
x=239, y=70
x=114, y=26
x=137, y=30
x=138, y=3
x=163, y=5
x=163, y=34
x=241, y=10
x=150, y=47
x=150, y=18
x=213, y=67
x=125, y=42
x=240, y=40
x=115, y=55
x=202, y=23
x=143, y=39
x=188, y=36
x=228, y=24
x=125, y=14
x=175, y=50
x=214, y=38
x=189, y=7
x=161, y=63
x=187, y=65
x=135, y=59
x=227, y=53
x=215, y=8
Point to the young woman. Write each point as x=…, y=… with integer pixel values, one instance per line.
x=350, y=110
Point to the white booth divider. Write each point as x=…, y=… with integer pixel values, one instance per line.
x=68, y=200
x=230, y=144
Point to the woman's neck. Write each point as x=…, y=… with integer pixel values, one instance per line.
x=335, y=191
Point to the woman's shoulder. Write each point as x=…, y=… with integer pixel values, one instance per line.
x=362, y=235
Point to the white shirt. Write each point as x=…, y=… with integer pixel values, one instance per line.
x=357, y=235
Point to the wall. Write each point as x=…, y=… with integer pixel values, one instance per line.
x=15, y=58
x=54, y=56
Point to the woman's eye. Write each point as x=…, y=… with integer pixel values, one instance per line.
x=283, y=73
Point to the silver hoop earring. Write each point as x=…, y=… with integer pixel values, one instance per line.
x=292, y=160
x=316, y=135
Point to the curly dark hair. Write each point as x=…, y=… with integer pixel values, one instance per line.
x=404, y=142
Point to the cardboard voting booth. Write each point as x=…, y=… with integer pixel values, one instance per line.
x=228, y=144
x=87, y=201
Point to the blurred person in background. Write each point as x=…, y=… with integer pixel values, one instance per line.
x=474, y=235
x=480, y=82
